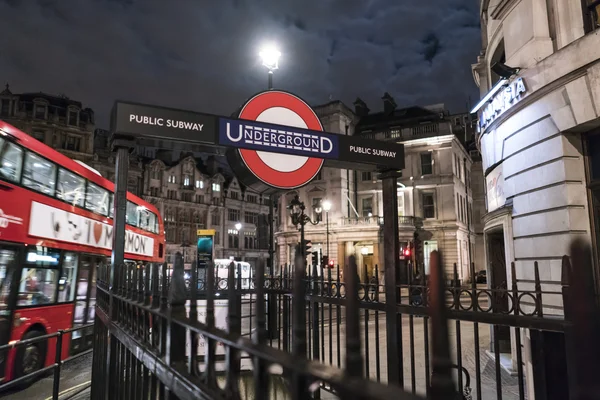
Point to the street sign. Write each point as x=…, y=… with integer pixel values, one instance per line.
x=294, y=164
x=140, y=120
x=277, y=143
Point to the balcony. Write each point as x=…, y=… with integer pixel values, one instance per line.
x=406, y=221
x=360, y=221
x=403, y=221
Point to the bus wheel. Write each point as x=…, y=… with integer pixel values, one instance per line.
x=30, y=358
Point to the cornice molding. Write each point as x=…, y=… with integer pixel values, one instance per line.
x=502, y=8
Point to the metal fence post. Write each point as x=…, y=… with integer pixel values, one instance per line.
x=176, y=333
x=442, y=385
x=580, y=308
x=122, y=146
x=391, y=248
x=57, y=361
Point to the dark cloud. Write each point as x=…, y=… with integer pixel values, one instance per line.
x=202, y=54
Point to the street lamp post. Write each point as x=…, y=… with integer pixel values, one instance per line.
x=327, y=208
x=270, y=59
x=297, y=208
x=238, y=228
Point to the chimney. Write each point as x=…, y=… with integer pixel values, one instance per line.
x=389, y=104
x=360, y=107
x=212, y=166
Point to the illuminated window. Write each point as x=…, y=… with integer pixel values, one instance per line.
x=39, y=174
x=70, y=187
x=216, y=187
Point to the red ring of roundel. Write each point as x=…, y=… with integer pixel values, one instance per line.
x=283, y=180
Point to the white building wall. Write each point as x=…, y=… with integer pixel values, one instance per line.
x=538, y=141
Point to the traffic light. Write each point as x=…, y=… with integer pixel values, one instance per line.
x=407, y=252
x=306, y=246
x=325, y=261
x=315, y=258
x=331, y=263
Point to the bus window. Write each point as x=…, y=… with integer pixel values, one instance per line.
x=66, y=283
x=7, y=257
x=37, y=286
x=96, y=199
x=11, y=156
x=39, y=174
x=132, y=214
x=111, y=207
x=147, y=219
x=70, y=187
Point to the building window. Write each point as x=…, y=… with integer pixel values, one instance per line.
x=400, y=204
x=171, y=178
x=216, y=187
x=250, y=217
x=199, y=184
x=366, y=176
x=592, y=15
x=154, y=191
x=215, y=219
x=5, y=107
x=39, y=111
x=72, y=143
x=428, y=205
x=234, y=240
x=367, y=207
x=200, y=199
x=233, y=215
x=234, y=195
x=186, y=180
x=154, y=174
x=72, y=118
x=39, y=135
x=186, y=197
x=426, y=164
x=251, y=198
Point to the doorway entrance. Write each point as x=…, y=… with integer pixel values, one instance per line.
x=496, y=271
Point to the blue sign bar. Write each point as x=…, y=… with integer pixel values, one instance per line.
x=273, y=138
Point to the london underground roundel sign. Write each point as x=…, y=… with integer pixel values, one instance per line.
x=282, y=171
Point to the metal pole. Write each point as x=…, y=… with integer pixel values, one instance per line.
x=270, y=80
x=272, y=300
x=123, y=146
x=391, y=248
x=468, y=214
x=327, y=223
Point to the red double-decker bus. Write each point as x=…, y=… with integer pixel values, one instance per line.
x=55, y=228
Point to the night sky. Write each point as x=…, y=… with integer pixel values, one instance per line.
x=203, y=54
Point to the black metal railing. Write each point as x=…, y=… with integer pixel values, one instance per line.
x=148, y=335
x=307, y=335
x=55, y=367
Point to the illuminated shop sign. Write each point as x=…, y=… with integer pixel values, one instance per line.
x=501, y=98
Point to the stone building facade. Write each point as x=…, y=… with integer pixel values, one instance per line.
x=538, y=136
x=435, y=193
x=190, y=192
x=57, y=121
